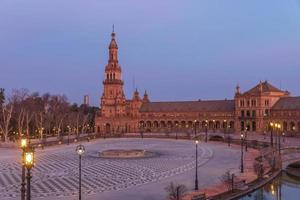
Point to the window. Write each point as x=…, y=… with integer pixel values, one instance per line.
x=266, y=112
x=242, y=113
x=253, y=113
x=242, y=103
x=242, y=126
x=253, y=126
x=253, y=102
x=266, y=102
x=248, y=103
x=248, y=113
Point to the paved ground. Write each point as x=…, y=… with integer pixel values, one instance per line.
x=56, y=171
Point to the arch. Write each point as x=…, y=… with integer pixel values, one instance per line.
x=162, y=124
x=183, y=123
x=107, y=128
x=204, y=124
x=110, y=76
x=224, y=124
x=98, y=129
x=197, y=124
x=114, y=76
x=170, y=124
x=211, y=125
x=155, y=124
x=231, y=124
x=148, y=124
x=218, y=125
x=293, y=126
x=285, y=125
x=190, y=124
x=141, y=125
x=107, y=76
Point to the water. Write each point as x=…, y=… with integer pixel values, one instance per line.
x=285, y=187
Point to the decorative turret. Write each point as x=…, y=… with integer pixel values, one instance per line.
x=260, y=87
x=237, y=90
x=146, y=98
x=136, y=95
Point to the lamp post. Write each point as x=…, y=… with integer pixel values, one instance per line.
x=229, y=137
x=80, y=150
x=68, y=134
x=24, y=144
x=195, y=131
x=242, y=153
x=196, y=175
x=224, y=126
x=176, y=130
x=206, y=130
x=29, y=162
x=272, y=125
x=279, y=137
x=245, y=139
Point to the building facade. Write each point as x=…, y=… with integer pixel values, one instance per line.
x=251, y=111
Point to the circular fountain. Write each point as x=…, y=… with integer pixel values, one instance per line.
x=125, y=153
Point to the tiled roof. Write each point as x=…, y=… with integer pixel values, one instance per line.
x=189, y=106
x=265, y=86
x=287, y=103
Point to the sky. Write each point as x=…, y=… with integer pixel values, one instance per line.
x=176, y=50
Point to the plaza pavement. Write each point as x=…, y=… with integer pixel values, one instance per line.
x=55, y=175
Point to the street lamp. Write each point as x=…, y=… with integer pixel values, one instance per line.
x=245, y=139
x=206, y=130
x=69, y=129
x=272, y=125
x=196, y=175
x=24, y=144
x=80, y=151
x=176, y=130
x=228, y=136
x=242, y=153
x=279, y=135
x=28, y=160
x=225, y=127
x=195, y=128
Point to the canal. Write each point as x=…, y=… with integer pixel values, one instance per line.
x=285, y=187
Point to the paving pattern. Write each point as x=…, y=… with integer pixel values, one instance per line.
x=56, y=170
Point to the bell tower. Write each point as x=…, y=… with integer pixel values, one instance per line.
x=113, y=100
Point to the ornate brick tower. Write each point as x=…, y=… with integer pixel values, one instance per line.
x=113, y=100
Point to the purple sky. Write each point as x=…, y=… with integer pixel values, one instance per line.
x=177, y=50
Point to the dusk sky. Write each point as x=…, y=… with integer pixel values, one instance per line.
x=176, y=50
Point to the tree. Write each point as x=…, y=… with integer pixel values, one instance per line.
x=5, y=119
x=2, y=97
x=176, y=191
x=227, y=180
x=258, y=169
x=59, y=107
x=19, y=114
x=41, y=105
